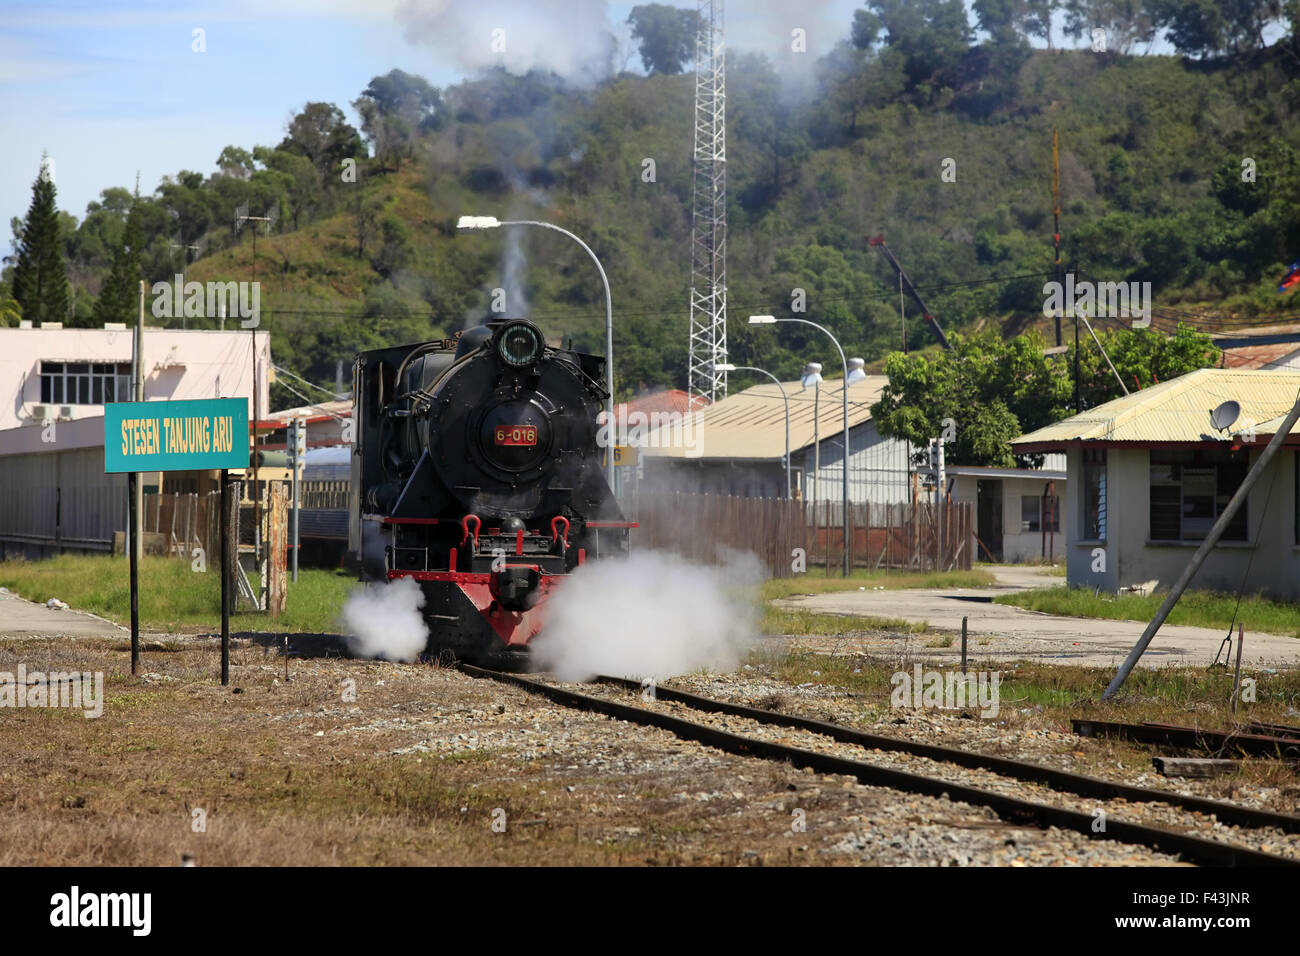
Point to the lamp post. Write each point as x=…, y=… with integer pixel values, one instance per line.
x=784, y=397
x=858, y=375
x=491, y=222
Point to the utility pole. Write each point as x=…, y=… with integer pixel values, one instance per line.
x=241, y=218
x=902, y=315
x=297, y=461
x=1056, y=226
x=194, y=247
x=1075, y=312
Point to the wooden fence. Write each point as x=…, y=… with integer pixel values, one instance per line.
x=709, y=528
x=180, y=523
x=184, y=521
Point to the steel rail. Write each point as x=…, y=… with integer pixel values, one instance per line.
x=1173, y=735
x=1011, y=809
x=1019, y=769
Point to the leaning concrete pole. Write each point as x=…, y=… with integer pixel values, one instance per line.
x=1203, y=551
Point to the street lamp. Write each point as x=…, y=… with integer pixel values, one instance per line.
x=858, y=376
x=784, y=397
x=491, y=222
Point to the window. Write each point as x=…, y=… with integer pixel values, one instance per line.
x=1190, y=489
x=1035, y=510
x=85, y=383
x=1029, y=506
x=1094, y=494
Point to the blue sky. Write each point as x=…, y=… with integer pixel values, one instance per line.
x=112, y=88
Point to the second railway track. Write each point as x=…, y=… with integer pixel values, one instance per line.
x=1013, y=809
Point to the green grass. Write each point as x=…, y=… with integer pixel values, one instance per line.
x=1157, y=694
x=1200, y=608
x=817, y=581
x=780, y=620
x=172, y=596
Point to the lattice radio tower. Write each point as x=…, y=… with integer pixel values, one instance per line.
x=708, y=345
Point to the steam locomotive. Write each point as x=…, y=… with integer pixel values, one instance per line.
x=476, y=471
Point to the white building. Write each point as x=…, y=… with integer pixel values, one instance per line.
x=1149, y=474
x=737, y=447
x=1017, y=510
x=54, y=383
x=63, y=374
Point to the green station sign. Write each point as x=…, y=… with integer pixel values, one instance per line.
x=198, y=435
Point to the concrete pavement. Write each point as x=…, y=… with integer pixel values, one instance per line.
x=21, y=618
x=1013, y=633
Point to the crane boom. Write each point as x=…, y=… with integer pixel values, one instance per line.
x=879, y=243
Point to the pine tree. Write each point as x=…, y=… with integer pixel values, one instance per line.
x=118, y=299
x=40, y=283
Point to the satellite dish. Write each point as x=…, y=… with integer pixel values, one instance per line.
x=1225, y=415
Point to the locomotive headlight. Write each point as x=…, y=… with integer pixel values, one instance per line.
x=519, y=344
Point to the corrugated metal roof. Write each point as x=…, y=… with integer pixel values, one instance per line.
x=751, y=424
x=668, y=400
x=1177, y=410
x=1254, y=356
x=983, y=471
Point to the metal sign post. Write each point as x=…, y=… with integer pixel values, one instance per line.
x=132, y=525
x=198, y=435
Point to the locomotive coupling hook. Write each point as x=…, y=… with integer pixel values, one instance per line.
x=464, y=526
x=556, y=533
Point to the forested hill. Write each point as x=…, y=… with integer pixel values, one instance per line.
x=365, y=251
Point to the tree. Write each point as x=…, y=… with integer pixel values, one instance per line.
x=1126, y=22
x=1142, y=357
x=322, y=134
x=1207, y=27
x=393, y=107
x=118, y=300
x=931, y=35
x=11, y=313
x=40, y=281
x=1008, y=22
x=993, y=390
x=667, y=36
x=235, y=162
x=865, y=30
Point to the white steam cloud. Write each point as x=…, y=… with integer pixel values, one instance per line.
x=384, y=621
x=650, y=615
x=570, y=37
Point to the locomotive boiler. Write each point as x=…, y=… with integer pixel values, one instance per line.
x=476, y=472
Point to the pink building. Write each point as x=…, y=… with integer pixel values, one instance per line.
x=54, y=383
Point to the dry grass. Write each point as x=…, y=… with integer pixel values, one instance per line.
x=292, y=774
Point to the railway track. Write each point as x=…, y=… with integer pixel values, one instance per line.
x=1013, y=810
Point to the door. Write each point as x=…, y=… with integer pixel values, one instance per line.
x=988, y=507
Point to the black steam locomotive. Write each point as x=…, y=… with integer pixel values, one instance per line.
x=476, y=472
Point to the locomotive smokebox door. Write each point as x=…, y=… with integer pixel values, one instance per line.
x=515, y=588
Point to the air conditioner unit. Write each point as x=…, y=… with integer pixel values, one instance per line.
x=65, y=412
x=42, y=413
